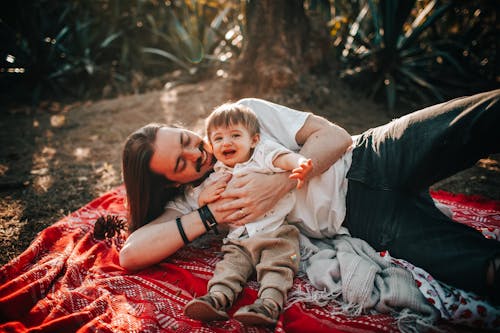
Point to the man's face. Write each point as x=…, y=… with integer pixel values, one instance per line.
x=182, y=156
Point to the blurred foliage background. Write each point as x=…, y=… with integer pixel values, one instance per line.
x=394, y=50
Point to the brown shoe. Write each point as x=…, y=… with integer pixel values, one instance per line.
x=260, y=313
x=206, y=308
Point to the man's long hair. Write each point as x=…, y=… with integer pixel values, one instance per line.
x=147, y=192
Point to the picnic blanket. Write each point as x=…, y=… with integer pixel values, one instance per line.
x=69, y=281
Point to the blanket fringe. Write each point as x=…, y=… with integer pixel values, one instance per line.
x=411, y=322
x=406, y=320
x=312, y=296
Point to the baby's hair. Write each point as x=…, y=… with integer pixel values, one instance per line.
x=232, y=114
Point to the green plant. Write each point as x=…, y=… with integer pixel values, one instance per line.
x=192, y=34
x=55, y=49
x=410, y=50
x=388, y=42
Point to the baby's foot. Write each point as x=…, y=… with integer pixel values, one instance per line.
x=264, y=312
x=210, y=307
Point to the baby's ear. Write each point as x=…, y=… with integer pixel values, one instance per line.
x=255, y=140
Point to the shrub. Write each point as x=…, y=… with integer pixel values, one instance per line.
x=54, y=49
x=425, y=50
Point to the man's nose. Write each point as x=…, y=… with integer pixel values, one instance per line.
x=192, y=153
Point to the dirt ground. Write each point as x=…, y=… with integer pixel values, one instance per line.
x=58, y=157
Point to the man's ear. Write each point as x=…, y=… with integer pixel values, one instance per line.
x=255, y=140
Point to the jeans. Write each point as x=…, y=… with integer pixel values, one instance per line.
x=388, y=202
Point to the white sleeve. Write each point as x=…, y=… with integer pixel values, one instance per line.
x=271, y=150
x=184, y=203
x=277, y=122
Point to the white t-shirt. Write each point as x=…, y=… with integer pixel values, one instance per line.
x=320, y=205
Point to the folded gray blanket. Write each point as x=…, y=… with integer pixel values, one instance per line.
x=350, y=271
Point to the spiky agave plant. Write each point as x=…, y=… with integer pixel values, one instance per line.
x=194, y=33
x=393, y=43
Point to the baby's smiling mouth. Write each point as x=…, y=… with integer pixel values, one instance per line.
x=228, y=152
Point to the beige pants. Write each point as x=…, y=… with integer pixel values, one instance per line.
x=275, y=257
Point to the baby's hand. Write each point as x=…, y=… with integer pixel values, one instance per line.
x=212, y=190
x=208, y=197
x=301, y=172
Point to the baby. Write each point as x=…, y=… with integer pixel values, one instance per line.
x=269, y=245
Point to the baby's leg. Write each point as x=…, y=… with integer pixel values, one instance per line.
x=229, y=276
x=278, y=256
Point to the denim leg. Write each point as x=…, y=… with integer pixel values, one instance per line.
x=388, y=204
x=412, y=228
x=415, y=151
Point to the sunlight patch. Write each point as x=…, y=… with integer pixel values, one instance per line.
x=57, y=120
x=81, y=153
x=3, y=169
x=10, y=223
x=48, y=153
x=43, y=183
x=222, y=73
x=107, y=175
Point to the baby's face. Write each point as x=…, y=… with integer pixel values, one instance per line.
x=232, y=144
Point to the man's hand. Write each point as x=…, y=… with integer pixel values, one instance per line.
x=252, y=195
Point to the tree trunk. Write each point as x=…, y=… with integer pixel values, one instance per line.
x=275, y=53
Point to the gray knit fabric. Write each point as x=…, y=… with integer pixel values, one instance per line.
x=350, y=269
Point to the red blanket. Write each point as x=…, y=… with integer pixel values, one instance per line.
x=69, y=281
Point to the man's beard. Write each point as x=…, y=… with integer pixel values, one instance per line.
x=200, y=160
x=198, y=166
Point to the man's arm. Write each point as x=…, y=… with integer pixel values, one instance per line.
x=323, y=142
x=161, y=238
x=158, y=239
